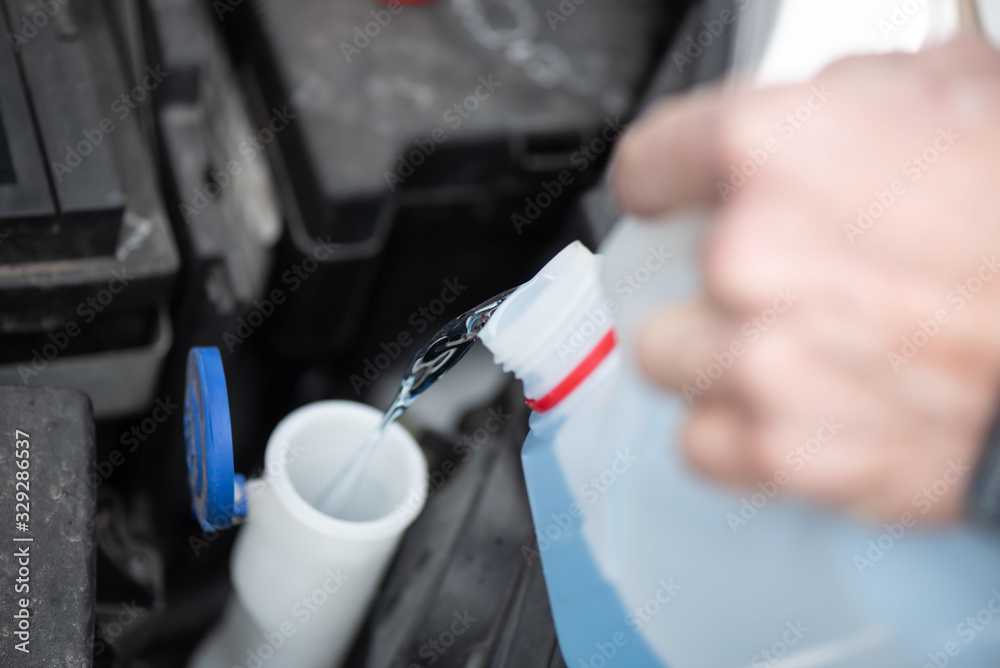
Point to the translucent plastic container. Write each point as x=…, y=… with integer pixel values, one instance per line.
x=643, y=562
x=303, y=580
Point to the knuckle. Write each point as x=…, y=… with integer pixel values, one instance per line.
x=766, y=459
x=702, y=460
x=723, y=260
x=740, y=269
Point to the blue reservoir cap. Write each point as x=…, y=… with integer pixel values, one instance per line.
x=217, y=498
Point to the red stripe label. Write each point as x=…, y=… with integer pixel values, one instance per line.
x=577, y=376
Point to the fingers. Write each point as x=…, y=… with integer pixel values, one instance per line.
x=874, y=476
x=674, y=345
x=669, y=159
x=783, y=418
x=678, y=153
x=828, y=278
x=819, y=457
x=713, y=443
x=965, y=54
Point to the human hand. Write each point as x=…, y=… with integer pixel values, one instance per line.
x=847, y=346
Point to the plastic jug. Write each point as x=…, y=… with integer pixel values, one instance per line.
x=643, y=562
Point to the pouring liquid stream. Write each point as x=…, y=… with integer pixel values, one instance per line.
x=436, y=358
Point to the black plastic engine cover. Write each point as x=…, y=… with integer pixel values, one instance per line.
x=47, y=546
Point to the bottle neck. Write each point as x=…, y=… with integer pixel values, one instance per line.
x=590, y=362
x=554, y=330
